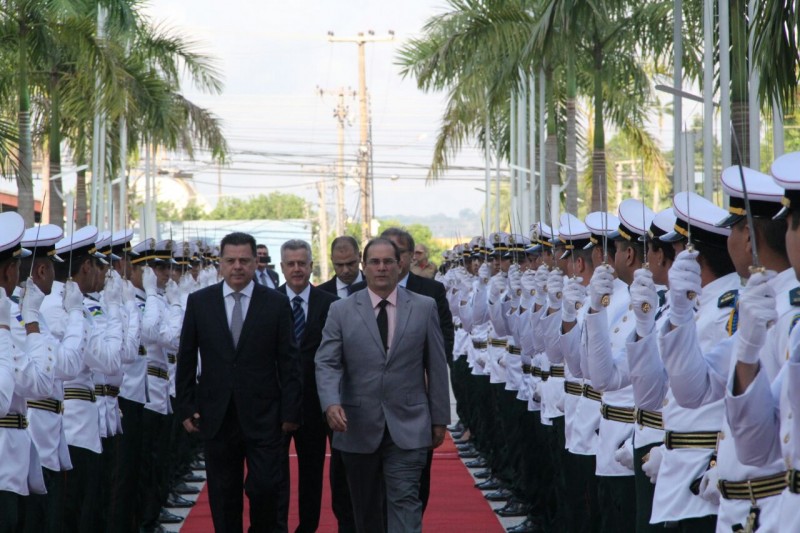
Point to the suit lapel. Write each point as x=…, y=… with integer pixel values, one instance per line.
x=364, y=308
x=401, y=317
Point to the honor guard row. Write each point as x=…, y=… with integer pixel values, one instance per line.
x=89, y=326
x=635, y=371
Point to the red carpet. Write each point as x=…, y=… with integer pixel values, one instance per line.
x=454, y=504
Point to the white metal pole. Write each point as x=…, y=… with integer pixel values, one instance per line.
x=532, y=136
x=487, y=155
x=123, y=172
x=677, y=103
x=708, y=99
x=725, y=81
x=512, y=162
x=777, y=130
x=752, y=93
x=522, y=161
x=542, y=149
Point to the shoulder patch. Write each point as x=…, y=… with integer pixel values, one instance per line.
x=794, y=297
x=795, y=318
x=95, y=310
x=728, y=299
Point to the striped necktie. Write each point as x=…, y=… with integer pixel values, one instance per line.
x=299, y=319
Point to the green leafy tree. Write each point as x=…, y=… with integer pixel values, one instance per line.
x=275, y=206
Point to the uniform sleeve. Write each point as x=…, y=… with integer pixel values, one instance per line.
x=754, y=421
x=498, y=319
x=648, y=375
x=604, y=367
x=6, y=371
x=695, y=378
x=550, y=326
x=170, y=332
x=34, y=375
x=571, y=348
x=72, y=344
x=104, y=347
x=130, y=350
x=151, y=320
x=480, y=303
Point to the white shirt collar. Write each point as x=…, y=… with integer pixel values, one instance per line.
x=404, y=281
x=342, y=285
x=304, y=294
x=247, y=291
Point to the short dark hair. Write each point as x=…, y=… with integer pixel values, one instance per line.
x=343, y=241
x=25, y=265
x=773, y=233
x=665, y=247
x=235, y=239
x=401, y=234
x=261, y=247
x=638, y=248
x=717, y=259
x=586, y=255
x=63, y=271
x=381, y=240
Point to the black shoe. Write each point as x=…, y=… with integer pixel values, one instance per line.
x=458, y=426
x=158, y=528
x=464, y=446
x=513, y=508
x=489, y=484
x=471, y=454
x=168, y=518
x=499, y=495
x=530, y=525
x=176, y=501
x=191, y=477
x=480, y=462
x=455, y=435
x=184, y=488
x=197, y=464
x=483, y=474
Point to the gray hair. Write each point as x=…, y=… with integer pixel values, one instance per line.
x=296, y=244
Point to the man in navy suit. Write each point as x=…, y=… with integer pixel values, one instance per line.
x=310, y=309
x=248, y=396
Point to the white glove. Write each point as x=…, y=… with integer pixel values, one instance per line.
x=31, y=302
x=653, y=463
x=464, y=287
x=684, y=277
x=149, y=281
x=624, y=454
x=496, y=286
x=73, y=298
x=709, y=489
x=128, y=294
x=528, y=283
x=173, y=293
x=540, y=279
x=757, y=309
x=602, y=284
x=484, y=273
x=574, y=295
x=515, y=281
x=5, y=309
x=186, y=285
x=555, y=288
x=644, y=295
x=112, y=293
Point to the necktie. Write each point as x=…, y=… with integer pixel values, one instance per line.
x=349, y=289
x=236, y=318
x=383, y=324
x=262, y=277
x=299, y=319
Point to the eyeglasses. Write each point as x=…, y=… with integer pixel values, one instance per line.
x=375, y=262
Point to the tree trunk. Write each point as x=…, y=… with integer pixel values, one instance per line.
x=55, y=193
x=551, y=169
x=572, y=137
x=599, y=184
x=24, y=173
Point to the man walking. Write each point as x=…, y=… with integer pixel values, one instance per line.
x=310, y=309
x=249, y=394
x=378, y=347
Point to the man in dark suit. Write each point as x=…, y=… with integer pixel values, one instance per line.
x=427, y=287
x=345, y=259
x=264, y=275
x=382, y=380
x=248, y=396
x=310, y=308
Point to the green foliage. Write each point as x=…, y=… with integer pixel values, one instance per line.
x=275, y=206
x=422, y=235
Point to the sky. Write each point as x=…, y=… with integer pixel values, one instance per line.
x=275, y=56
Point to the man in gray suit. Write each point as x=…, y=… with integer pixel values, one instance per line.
x=382, y=383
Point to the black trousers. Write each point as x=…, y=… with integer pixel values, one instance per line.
x=644, y=492
x=82, y=487
x=45, y=512
x=617, y=497
x=125, y=516
x=154, y=459
x=340, y=491
x=266, y=460
x=10, y=511
x=310, y=443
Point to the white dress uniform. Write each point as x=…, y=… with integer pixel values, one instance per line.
x=31, y=373
x=764, y=418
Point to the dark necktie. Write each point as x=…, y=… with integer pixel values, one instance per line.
x=262, y=277
x=349, y=289
x=299, y=319
x=383, y=324
x=236, y=318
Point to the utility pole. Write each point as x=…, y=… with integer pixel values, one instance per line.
x=363, y=152
x=340, y=114
x=322, y=213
